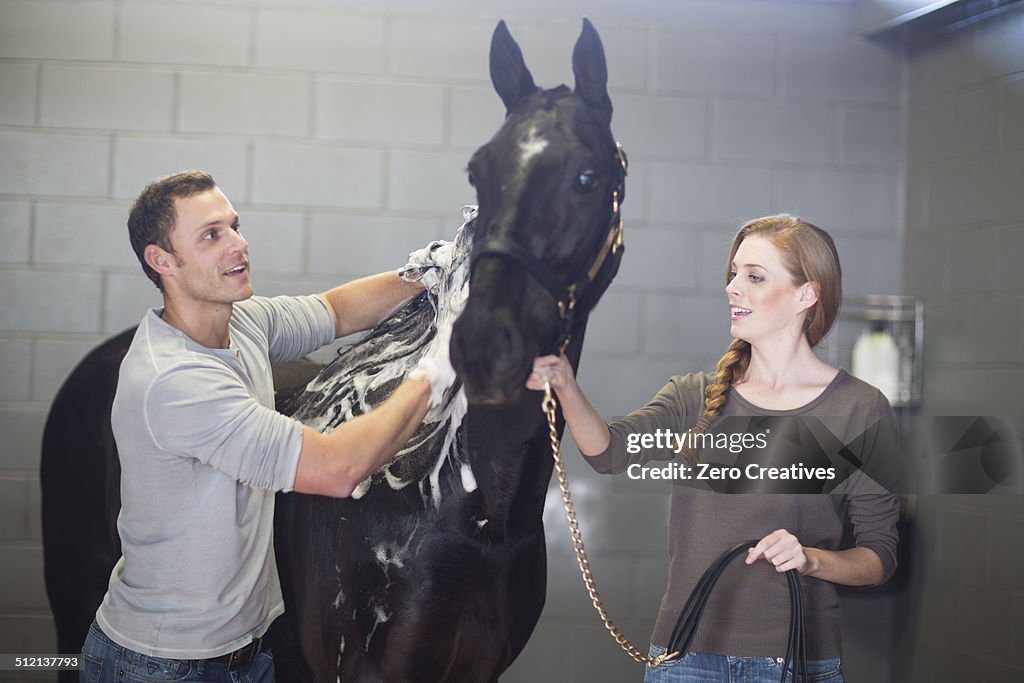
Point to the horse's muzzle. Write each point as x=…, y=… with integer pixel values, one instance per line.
x=489, y=354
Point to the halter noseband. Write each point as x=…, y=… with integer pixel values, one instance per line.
x=566, y=295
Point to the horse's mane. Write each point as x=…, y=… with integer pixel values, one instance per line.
x=366, y=372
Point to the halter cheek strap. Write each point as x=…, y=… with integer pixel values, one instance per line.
x=566, y=295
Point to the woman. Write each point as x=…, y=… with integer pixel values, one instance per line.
x=784, y=289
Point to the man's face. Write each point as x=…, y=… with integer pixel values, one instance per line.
x=210, y=263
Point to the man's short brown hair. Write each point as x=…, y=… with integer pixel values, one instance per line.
x=152, y=216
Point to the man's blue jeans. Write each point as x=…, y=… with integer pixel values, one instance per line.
x=104, y=661
x=705, y=668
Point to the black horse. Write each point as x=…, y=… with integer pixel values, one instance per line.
x=435, y=569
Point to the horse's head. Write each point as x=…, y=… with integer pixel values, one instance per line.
x=547, y=239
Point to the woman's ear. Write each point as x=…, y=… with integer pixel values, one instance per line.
x=808, y=294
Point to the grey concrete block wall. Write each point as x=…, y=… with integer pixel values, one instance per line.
x=243, y=104
x=123, y=99
x=343, y=41
x=19, y=82
x=57, y=30
x=964, y=230
x=341, y=132
x=317, y=175
x=37, y=164
x=137, y=160
x=77, y=234
x=964, y=216
x=14, y=216
x=342, y=114
x=171, y=33
x=338, y=244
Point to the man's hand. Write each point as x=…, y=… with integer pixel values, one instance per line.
x=429, y=265
x=435, y=366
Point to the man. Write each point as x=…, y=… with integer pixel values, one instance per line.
x=203, y=451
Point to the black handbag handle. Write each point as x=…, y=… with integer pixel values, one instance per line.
x=689, y=618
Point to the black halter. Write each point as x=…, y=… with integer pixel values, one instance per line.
x=566, y=294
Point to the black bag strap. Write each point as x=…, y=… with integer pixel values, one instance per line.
x=689, y=618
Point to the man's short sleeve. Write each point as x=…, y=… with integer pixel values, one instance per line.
x=294, y=325
x=200, y=409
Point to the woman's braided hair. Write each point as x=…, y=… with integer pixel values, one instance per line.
x=809, y=255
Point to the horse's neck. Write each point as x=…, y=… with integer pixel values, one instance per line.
x=510, y=451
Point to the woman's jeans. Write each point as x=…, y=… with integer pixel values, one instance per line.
x=104, y=661
x=704, y=668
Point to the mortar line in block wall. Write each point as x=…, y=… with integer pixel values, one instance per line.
x=31, y=232
x=385, y=198
x=641, y=333
x=176, y=101
x=307, y=237
x=314, y=85
x=709, y=129
x=32, y=356
x=117, y=30
x=37, y=115
x=778, y=85
x=104, y=286
x=446, y=116
x=387, y=33
x=250, y=181
x=838, y=127
x=251, y=56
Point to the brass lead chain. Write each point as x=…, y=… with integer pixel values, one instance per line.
x=548, y=406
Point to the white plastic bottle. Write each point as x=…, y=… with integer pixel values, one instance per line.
x=876, y=360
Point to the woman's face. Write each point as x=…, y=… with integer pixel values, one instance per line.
x=764, y=303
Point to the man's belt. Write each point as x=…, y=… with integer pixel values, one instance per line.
x=243, y=656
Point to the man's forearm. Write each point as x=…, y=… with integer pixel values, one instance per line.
x=333, y=464
x=362, y=303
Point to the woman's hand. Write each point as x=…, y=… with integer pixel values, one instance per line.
x=588, y=428
x=783, y=551
x=554, y=370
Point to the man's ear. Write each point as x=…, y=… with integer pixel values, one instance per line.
x=157, y=259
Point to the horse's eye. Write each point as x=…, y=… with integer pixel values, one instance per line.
x=586, y=181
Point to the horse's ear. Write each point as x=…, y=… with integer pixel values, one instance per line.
x=590, y=69
x=509, y=74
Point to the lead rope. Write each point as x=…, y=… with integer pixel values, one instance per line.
x=548, y=406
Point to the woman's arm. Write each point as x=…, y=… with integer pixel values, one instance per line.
x=588, y=428
x=853, y=567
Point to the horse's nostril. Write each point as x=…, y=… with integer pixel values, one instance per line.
x=504, y=349
x=488, y=353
